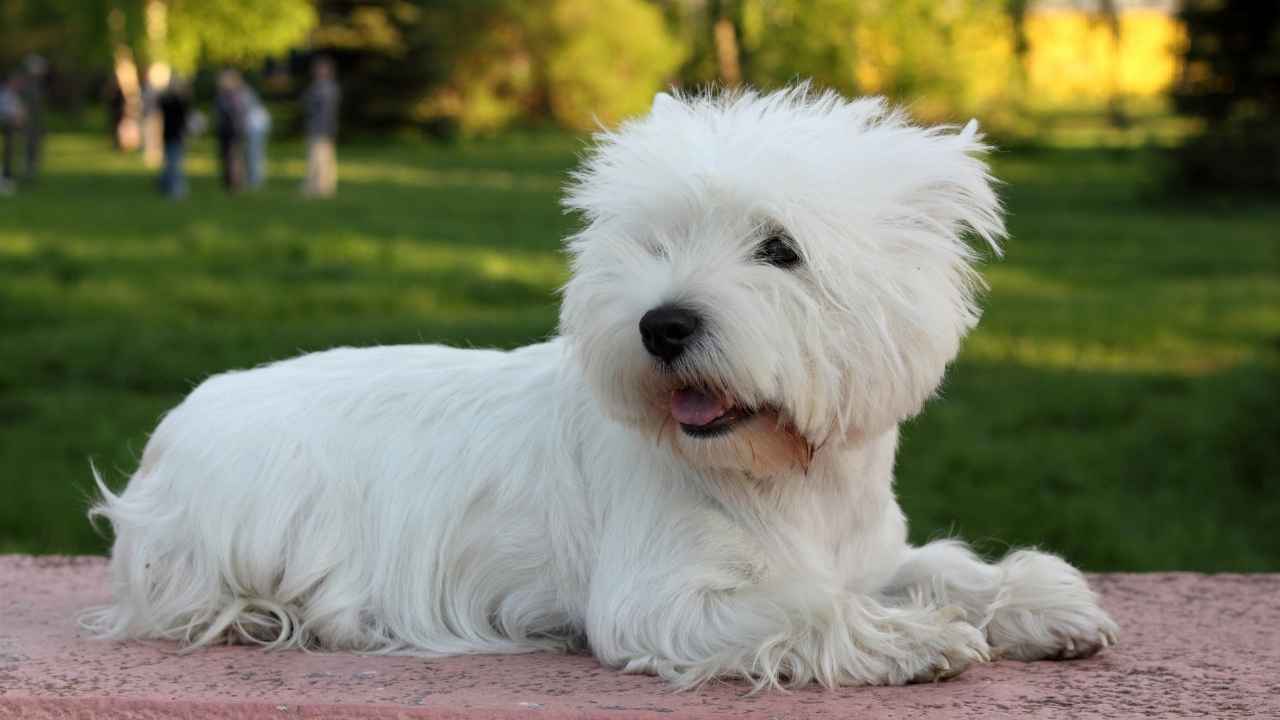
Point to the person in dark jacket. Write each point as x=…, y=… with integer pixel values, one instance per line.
x=175, y=118
x=115, y=111
x=33, y=100
x=229, y=123
x=12, y=118
x=320, y=112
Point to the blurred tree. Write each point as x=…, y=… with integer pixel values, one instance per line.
x=1230, y=80
x=690, y=22
x=389, y=54
x=1109, y=13
x=478, y=66
x=939, y=56
x=727, y=14
x=181, y=33
x=227, y=31
x=42, y=26
x=487, y=78
x=790, y=39
x=601, y=60
x=1019, y=72
x=73, y=41
x=947, y=59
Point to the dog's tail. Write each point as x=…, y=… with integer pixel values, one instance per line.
x=104, y=621
x=161, y=591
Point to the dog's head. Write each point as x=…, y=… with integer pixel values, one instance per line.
x=762, y=276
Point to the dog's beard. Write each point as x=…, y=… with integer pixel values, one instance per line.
x=708, y=423
x=763, y=445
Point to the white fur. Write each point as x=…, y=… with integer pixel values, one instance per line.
x=431, y=500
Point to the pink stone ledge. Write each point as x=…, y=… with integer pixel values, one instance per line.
x=1191, y=646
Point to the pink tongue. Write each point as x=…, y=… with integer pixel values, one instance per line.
x=690, y=407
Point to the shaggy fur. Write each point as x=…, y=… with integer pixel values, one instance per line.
x=430, y=500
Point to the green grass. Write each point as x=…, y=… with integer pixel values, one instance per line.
x=1119, y=403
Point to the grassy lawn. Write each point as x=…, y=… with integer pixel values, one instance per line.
x=1119, y=404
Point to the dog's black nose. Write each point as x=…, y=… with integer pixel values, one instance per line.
x=667, y=330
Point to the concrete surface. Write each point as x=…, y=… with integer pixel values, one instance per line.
x=1191, y=646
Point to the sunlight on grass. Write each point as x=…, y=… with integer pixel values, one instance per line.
x=546, y=270
x=1168, y=354
x=1263, y=320
x=79, y=152
x=1007, y=280
x=105, y=295
x=356, y=171
x=17, y=244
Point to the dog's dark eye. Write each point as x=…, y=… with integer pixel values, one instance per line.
x=777, y=251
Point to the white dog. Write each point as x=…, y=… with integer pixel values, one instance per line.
x=694, y=479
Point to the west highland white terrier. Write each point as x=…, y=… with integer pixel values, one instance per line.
x=694, y=479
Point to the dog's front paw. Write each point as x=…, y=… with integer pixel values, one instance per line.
x=1057, y=635
x=1082, y=638
x=1046, y=611
x=955, y=649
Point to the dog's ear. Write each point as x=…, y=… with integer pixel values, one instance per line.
x=953, y=192
x=663, y=102
x=934, y=204
x=984, y=216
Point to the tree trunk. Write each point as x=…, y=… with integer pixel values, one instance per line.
x=128, y=128
x=727, y=53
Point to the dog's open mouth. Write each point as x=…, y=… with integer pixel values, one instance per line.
x=702, y=414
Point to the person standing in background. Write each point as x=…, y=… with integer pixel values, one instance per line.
x=229, y=124
x=175, y=116
x=33, y=104
x=114, y=97
x=257, y=128
x=12, y=117
x=157, y=81
x=320, y=111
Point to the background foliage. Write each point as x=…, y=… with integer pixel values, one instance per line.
x=1231, y=82
x=478, y=67
x=85, y=34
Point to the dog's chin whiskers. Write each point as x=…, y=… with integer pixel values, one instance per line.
x=664, y=427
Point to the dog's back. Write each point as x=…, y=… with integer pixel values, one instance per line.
x=271, y=504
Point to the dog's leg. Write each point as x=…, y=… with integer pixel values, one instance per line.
x=779, y=633
x=1033, y=605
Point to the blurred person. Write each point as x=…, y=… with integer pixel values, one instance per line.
x=128, y=116
x=320, y=111
x=157, y=82
x=115, y=111
x=175, y=113
x=33, y=103
x=229, y=125
x=198, y=123
x=257, y=128
x=12, y=119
